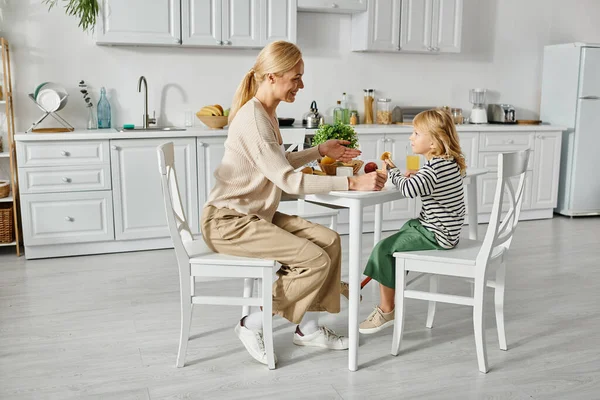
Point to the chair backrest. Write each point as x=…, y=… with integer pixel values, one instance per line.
x=177, y=222
x=511, y=167
x=294, y=138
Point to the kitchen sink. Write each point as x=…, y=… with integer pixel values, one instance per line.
x=152, y=129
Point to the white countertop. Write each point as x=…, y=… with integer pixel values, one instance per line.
x=97, y=134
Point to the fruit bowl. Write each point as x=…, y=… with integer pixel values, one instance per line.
x=213, y=122
x=330, y=169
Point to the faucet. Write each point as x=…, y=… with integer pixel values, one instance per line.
x=146, y=120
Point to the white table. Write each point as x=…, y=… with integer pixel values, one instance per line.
x=356, y=201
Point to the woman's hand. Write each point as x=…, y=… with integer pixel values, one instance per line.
x=367, y=182
x=335, y=149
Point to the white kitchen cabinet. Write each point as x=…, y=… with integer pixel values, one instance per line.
x=333, y=6
x=487, y=189
x=415, y=26
x=546, y=170
x=139, y=22
x=237, y=23
x=210, y=153
x=58, y=218
x=139, y=208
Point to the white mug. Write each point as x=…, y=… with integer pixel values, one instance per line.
x=344, y=171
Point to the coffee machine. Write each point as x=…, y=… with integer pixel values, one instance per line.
x=478, y=113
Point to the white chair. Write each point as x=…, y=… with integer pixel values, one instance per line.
x=294, y=138
x=470, y=259
x=195, y=259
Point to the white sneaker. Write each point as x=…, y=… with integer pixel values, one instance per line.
x=254, y=343
x=324, y=337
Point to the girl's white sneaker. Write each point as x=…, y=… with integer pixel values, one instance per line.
x=324, y=338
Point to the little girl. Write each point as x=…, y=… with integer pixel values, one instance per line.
x=440, y=184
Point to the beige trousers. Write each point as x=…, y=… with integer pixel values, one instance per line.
x=310, y=255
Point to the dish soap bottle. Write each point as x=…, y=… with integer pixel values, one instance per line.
x=103, y=111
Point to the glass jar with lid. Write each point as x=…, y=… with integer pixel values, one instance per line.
x=384, y=112
x=457, y=115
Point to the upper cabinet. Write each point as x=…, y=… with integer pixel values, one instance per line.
x=333, y=6
x=415, y=26
x=144, y=22
x=213, y=23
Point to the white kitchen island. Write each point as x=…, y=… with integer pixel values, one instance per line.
x=92, y=192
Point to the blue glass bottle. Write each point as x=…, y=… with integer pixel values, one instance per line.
x=103, y=110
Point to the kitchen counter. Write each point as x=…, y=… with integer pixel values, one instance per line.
x=84, y=134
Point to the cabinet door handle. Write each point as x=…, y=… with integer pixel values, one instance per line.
x=64, y=153
x=334, y=5
x=220, y=42
x=69, y=219
x=436, y=49
x=65, y=179
x=228, y=42
x=399, y=48
x=201, y=144
x=113, y=147
x=510, y=141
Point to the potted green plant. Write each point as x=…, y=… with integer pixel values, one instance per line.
x=85, y=10
x=336, y=131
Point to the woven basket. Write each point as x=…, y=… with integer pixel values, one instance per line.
x=330, y=169
x=6, y=223
x=4, y=188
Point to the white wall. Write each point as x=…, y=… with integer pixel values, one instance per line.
x=502, y=50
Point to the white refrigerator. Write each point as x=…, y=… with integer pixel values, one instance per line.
x=571, y=98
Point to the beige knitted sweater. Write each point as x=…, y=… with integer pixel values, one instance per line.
x=255, y=169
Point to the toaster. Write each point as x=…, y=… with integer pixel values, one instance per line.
x=501, y=114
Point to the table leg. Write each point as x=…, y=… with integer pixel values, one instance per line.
x=354, y=263
x=378, y=219
x=472, y=207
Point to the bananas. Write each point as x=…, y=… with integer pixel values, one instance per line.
x=214, y=111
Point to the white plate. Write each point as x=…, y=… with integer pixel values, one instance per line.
x=48, y=99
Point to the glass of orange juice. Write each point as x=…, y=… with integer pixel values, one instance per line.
x=412, y=160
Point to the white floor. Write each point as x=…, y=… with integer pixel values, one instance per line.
x=106, y=327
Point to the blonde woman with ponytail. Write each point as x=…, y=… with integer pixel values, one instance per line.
x=439, y=184
x=240, y=217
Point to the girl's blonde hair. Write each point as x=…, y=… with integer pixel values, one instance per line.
x=439, y=124
x=275, y=58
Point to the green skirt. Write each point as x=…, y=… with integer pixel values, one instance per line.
x=411, y=237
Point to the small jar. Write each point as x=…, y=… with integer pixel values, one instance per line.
x=384, y=112
x=457, y=116
x=353, y=117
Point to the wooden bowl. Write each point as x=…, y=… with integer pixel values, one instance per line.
x=331, y=169
x=213, y=122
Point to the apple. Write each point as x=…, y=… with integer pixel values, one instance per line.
x=370, y=167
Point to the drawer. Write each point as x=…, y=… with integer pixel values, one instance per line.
x=31, y=154
x=64, y=179
x=490, y=161
x=501, y=141
x=55, y=218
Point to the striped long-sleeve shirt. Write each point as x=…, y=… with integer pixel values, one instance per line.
x=440, y=186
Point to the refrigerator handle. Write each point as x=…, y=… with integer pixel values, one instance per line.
x=590, y=98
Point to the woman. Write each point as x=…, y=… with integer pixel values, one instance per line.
x=240, y=216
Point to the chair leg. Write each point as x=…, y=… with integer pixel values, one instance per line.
x=399, y=300
x=334, y=222
x=248, y=288
x=433, y=288
x=186, y=322
x=499, y=305
x=267, y=303
x=479, y=324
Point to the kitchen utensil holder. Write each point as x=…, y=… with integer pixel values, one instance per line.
x=66, y=126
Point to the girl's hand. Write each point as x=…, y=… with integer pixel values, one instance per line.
x=410, y=173
x=367, y=182
x=335, y=149
x=389, y=164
